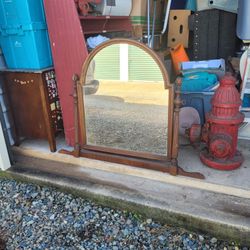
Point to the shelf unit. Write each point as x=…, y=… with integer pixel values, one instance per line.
x=104, y=24
x=245, y=90
x=67, y=30
x=245, y=127
x=34, y=104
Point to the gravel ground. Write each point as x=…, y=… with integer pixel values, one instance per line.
x=34, y=217
x=113, y=123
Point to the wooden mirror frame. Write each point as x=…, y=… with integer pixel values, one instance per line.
x=168, y=163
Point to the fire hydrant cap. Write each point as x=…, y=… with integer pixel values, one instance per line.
x=227, y=80
x=226, y=96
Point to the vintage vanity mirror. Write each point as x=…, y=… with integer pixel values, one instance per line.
x=126, y=109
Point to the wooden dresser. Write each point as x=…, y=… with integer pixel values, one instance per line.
x=35, y=104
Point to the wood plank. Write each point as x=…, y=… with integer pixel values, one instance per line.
x=69, y=52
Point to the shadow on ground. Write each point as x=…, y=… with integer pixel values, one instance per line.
x=2, y=244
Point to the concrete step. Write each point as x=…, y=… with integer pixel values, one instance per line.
x=208, y=210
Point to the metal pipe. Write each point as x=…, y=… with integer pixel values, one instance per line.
x=166, y=17
x=148, y=22
x=153, y=25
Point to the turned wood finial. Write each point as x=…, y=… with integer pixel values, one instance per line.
x=75, y=79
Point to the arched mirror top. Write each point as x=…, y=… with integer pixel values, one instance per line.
x=133, y=43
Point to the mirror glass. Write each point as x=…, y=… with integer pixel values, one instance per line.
x=125, y=101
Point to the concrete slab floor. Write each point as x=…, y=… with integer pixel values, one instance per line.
x=240, y=178
x=188, y=160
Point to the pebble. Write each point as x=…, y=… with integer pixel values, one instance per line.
x=129, y=222
x=201, y=238
x=52, y=217
x=162, y=238
x=213, y=240
x=34, y=217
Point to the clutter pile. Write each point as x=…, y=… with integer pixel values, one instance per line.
x=208, y=40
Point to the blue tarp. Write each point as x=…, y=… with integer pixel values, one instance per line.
x=198, y=82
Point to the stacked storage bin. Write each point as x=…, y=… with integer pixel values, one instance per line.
x=201, y=101
x=197, y=91
x=23, y=34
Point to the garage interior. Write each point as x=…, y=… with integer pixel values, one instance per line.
x=103, y=110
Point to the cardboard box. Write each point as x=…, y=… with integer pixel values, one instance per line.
x=139, y=8
x=138, y=30
x=163, y=54
x=235, y=62
x=139, y=12
x=178, y=32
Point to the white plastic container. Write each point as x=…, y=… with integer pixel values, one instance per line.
x=226, y=5
x=202, y=5
x=115, y=7
x=243, y=20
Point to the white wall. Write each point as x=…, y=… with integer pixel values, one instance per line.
x=124, y=62
x=4, y=157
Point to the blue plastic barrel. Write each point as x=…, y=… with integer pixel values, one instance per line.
x=178, y=4
x=243, y=20
x=191, y=5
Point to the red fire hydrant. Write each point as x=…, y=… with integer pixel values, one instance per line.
x=222, y=125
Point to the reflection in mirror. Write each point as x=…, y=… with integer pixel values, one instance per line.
x=125, y=102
